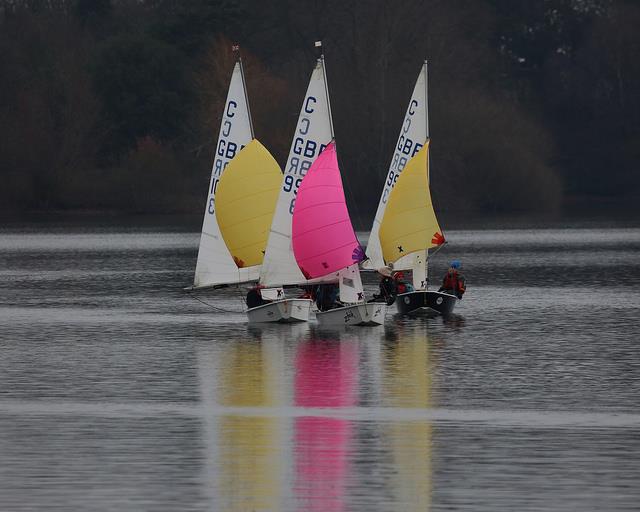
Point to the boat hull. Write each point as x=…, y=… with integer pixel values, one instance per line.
x=421, y=301
x=370, y=313
x=281, y=311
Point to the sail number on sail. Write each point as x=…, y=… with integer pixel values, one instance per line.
x=304, y=151
x=225, y=151
x=404, y=151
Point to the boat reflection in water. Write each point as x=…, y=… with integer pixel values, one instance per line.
x=406, y=384
x=326, y=377
x=248, y=445
x=243, y=388
x=300, y=419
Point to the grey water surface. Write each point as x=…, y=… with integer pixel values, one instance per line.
x=119, y=391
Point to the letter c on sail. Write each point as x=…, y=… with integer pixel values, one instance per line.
x=307, y=108
x=229, y=105
x=412, y=107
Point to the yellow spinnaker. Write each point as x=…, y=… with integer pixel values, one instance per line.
x=409, y=223
x=245, y=201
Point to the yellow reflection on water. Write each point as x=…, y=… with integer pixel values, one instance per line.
x=406, y=383
x=249, y=447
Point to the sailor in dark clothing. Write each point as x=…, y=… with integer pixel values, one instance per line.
x=454, y=282
x=254, y=297
x=308, y=292
x=326, y=296
x=387, y=286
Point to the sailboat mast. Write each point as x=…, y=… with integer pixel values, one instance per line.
x=426, y=95
x=326, y=87
x=236, y=48
x=426, y=115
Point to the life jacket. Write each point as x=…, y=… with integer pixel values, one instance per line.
x=398, y=277
x=402, y=286
x=454, y=281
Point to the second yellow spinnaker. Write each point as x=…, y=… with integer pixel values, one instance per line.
x=409, y=223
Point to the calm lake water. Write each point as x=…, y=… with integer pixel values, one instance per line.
x=119, y=391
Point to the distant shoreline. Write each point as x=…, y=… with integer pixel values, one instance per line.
x=588, y=212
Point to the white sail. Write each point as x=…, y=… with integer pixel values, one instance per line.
x=413, y=135
x=351, y=290
x=215, y=264
x=313, y=132
x=419, y=268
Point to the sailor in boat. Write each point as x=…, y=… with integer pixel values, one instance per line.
x=402, y=286
x=387, y=286
x=308, y=292
x=453, y=281
x=326, y=296
x=254, y=297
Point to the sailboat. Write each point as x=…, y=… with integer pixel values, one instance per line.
x=410, y=226
x=413, y=134
x=405, y=226
x=245, y=202
x=325, y=244
x=215, y=265
x=314, y=131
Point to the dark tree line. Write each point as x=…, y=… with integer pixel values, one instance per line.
x=115, y=104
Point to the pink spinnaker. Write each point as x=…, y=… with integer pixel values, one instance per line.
x=322, y=237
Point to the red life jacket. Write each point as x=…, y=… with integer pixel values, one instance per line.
x=454, y=281
x=398, y=277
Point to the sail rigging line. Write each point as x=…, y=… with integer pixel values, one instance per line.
x=216, y=308
x=426, y=261
x=326, y=91
x=436, y=250
x=242, y=299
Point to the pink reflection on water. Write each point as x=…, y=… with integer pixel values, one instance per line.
x=326, y=376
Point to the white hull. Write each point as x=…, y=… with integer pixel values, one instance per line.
x=371, y=313
x=282, y=311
